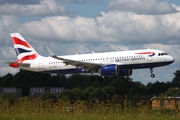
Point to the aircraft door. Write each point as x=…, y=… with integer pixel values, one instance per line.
x=149, y=58
x=41, y=64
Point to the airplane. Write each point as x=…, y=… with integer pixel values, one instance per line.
x=120, y=63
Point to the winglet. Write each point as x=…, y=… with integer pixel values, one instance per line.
x=50, y=52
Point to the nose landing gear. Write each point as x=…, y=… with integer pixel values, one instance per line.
x=152, y=75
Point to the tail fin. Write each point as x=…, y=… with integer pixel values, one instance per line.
x=24, y=50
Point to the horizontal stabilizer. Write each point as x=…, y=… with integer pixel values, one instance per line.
x=16, y=64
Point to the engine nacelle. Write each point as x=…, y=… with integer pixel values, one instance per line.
x=114, y=70
x=125, y=72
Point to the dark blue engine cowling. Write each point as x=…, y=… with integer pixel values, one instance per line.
x=80, y=70
x=125, y=72
x=114, y=70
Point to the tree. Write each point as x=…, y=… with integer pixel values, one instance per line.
x=6, y=80
x=47, y=96
x=110, y=91
x=176, y=79
x=156, y=88
x=136, y=88
x=149, y=88
x=87, y=92
x=97, y=94
x=121, y=85
x=77, y=92
x=133, y=100
x=67, y=95
x=76, y=81
x=26, y=79
x=172, y=92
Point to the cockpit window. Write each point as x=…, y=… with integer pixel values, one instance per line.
x=161, y=54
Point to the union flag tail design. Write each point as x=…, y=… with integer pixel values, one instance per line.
x=24, y=50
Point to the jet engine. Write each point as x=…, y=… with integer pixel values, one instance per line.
x=114, y=70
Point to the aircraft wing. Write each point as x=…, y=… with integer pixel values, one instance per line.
x=90, y=67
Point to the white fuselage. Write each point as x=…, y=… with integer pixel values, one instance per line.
x=134, y=59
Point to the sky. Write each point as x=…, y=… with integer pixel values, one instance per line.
x=81, y=26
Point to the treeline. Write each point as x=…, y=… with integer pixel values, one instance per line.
x=86, y=87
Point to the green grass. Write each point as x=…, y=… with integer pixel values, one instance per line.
x=37, y=109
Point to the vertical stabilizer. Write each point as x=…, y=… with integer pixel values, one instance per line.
x=24, y=50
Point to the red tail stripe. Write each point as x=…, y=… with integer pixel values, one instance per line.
x=15, y=65
x=18, y=41
x=28, y=57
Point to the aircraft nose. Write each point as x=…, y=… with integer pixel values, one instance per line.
x=171, y=59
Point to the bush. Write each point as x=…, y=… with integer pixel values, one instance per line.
x=47, y=96
x=67, y=95
x=8, y=97
x=78, y=93
x=110, y=91
x=87, y=92
x=97, y=94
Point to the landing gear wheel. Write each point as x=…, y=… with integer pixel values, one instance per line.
x=152, y=75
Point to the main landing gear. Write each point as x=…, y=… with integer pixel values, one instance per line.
x=152, y=75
